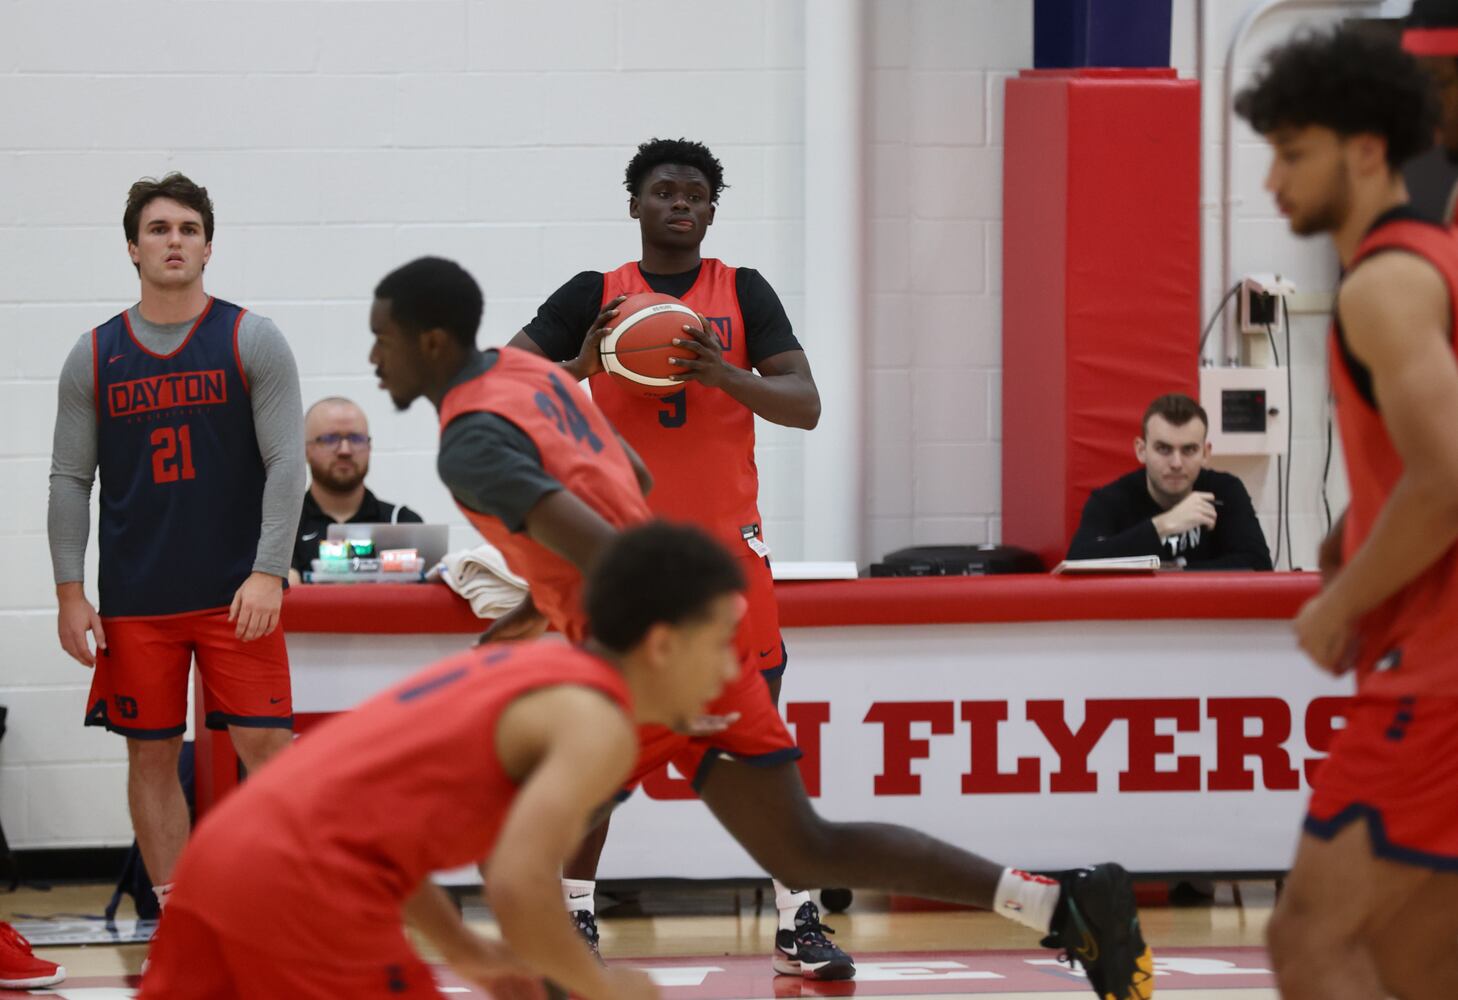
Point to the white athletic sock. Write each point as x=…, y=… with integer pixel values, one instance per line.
x=580, y=894
x=788, y=902
x=161, y=891
x=1027, y=899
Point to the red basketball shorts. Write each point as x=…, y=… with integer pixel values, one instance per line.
x=760, y=644
x=759, y=737
x=139, y=687
x=191, y=960
x=1395, y=766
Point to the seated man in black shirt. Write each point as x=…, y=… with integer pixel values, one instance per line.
x=1173, y=507
x=337, y=444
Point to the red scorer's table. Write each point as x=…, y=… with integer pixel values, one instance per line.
x=1165, y=720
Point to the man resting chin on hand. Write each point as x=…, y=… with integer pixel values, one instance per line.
x=1173, y=507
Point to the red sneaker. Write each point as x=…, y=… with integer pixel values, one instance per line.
x=19, y=968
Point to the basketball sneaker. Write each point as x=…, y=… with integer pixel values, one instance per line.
x=807, y=952
x=1096, y=925
x=19, y=968
x=586, y=922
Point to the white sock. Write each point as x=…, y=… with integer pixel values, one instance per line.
x=1027, y=899
x=788, y=902
x=161, y=891
x=579, y=894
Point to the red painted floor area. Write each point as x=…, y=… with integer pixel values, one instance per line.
x=904, y=974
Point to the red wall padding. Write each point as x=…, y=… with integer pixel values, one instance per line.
x=1101, y=280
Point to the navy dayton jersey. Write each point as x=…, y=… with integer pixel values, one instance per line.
x=181, y=476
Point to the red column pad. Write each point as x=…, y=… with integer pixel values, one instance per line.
x=1101, y=276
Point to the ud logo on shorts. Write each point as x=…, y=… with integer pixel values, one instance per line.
x=1390, y=660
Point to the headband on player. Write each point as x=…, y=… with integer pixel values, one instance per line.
x=1431, y=41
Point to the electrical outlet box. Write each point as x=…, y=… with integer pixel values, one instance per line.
x=1248, y=408
x=1260, y=301
x=1257, y=310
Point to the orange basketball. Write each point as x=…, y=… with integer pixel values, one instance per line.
x=639, y=346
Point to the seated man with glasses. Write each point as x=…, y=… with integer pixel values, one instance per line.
x=337, y=444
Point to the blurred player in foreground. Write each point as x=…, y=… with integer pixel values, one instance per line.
x=1371, y=906
x=297, y=885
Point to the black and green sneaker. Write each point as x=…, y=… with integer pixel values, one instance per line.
x=1096, y=925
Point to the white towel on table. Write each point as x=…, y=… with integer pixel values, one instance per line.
x=481, y=576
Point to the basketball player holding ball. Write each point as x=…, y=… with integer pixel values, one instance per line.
x=740, y=359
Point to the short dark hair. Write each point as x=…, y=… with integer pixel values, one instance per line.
x=1176, y=408
x=1349, y=80
x=432, y=292
x=175, y=186
x=656, y=573
x=679, y=152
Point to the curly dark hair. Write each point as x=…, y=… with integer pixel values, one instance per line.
x=679, y=152
x=1349, y=80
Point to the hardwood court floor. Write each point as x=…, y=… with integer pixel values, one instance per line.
x=713, y=945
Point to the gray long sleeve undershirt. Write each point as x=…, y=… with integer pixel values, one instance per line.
x=278, y=422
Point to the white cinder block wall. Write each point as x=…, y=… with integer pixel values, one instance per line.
x=341, y=138
x=935, y=203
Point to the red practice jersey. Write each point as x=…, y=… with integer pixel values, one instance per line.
x=578, y=449
x=699, y=441
x=312, y=859
x=1409, y=644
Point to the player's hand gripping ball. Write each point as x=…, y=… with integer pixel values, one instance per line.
x=639, y=347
